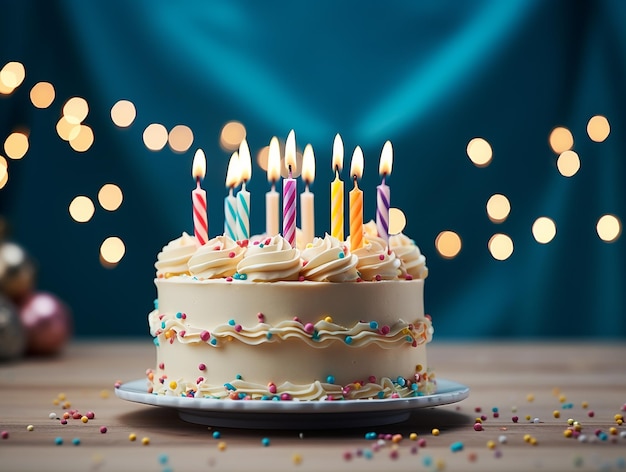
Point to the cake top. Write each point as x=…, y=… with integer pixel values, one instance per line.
x=269, y=259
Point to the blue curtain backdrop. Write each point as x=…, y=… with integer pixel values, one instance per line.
x=429, y=76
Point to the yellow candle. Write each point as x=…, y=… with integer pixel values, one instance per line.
x=271, y=197
x=336, y=191
x=307, y=218
x=356, y=201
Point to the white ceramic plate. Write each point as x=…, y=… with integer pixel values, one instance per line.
x=264, y=414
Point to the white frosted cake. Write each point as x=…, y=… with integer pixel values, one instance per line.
x=261, y=320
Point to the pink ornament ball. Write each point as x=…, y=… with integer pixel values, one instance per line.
x=48, y=324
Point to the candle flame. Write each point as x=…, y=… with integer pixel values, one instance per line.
x=273, y=161
x=198, y=167
x=337, y=153
x=308, y=165
x=245, y=163
x=386, y=158
x=290, y=151
x=233, y=172
x=356, y=167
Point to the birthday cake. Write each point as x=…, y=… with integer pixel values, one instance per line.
x=263, y=320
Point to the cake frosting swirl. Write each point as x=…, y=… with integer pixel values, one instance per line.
x=413, y=261
x=217, y=258
x=376, y=261
x=271, y=260
x=174, y=257
x=328, y=260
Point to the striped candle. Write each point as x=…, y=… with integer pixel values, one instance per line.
x=383, y=193
x=289, y=192
x=243, y=196
x=198, y=199
x=356, y=201
x=230, y=202
x=336, y=191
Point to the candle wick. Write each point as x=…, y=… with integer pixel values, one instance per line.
x=290, y=171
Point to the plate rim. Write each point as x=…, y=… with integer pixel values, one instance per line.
x=448, y=392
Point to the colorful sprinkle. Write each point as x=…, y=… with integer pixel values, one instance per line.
x=76, y=442
x=132, y=437
x=58, y=440
x=456, y=446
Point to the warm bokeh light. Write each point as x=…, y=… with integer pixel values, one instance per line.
x=42, y=94
x=11, y=76
x=500, y=246
x=180, y=138
x=598, y=128
x=609, y=228
x=479, y=151
x=112, y=250
x=123, y=113
x=262, y=157
x=75, y=110
x=83, y=140
x=397, y=221
x=544, y=230
x=155, y=136
x=81, y=209
x=110, y=197
x=498, y=208
x=231, y=136
x=448, y=244
x=16, y=145
x=4, y=172
x=66, y=130
x=561, y=140
x=568, y=163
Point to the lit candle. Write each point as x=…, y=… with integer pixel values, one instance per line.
x=289, y=191
x=198, y=199
x=230, y=202
x=307, y=217
x=336, y=191
x=243, y=196
x=271, y=197
x=383, y=194
x=356, y=201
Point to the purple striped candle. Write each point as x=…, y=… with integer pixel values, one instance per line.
x=383, y=193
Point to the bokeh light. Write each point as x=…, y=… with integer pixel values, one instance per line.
x=231, y=136
x=83, y=139
x=11, y=76
x=448, y=244
x=42, y=94
x=110, y=197
x=609, y=228
x=479, y=151
x=544, y=230
x=598, y=128
x=75, y=110
x=66, y=130
x=561, y=139
x=112, y=250
x=4, y=172
x=500, y=246
x=155, y=136
x=16, y=145
x=568, y=163
x=123, y=113
x=180, y=138
x=397, y=220
x=81, y=209
x=262, y=157
x=498, y=208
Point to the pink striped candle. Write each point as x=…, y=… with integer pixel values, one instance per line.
x=198, y=199
x=383, y=193
x=289, y=192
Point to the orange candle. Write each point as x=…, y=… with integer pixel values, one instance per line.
x=336, y=191
x=356, y=201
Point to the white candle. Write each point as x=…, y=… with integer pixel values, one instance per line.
x=230, y=202
x=271, y=197
x=307, y=217
x=243, y=196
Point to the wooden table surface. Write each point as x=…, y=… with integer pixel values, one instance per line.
x=585, y=382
